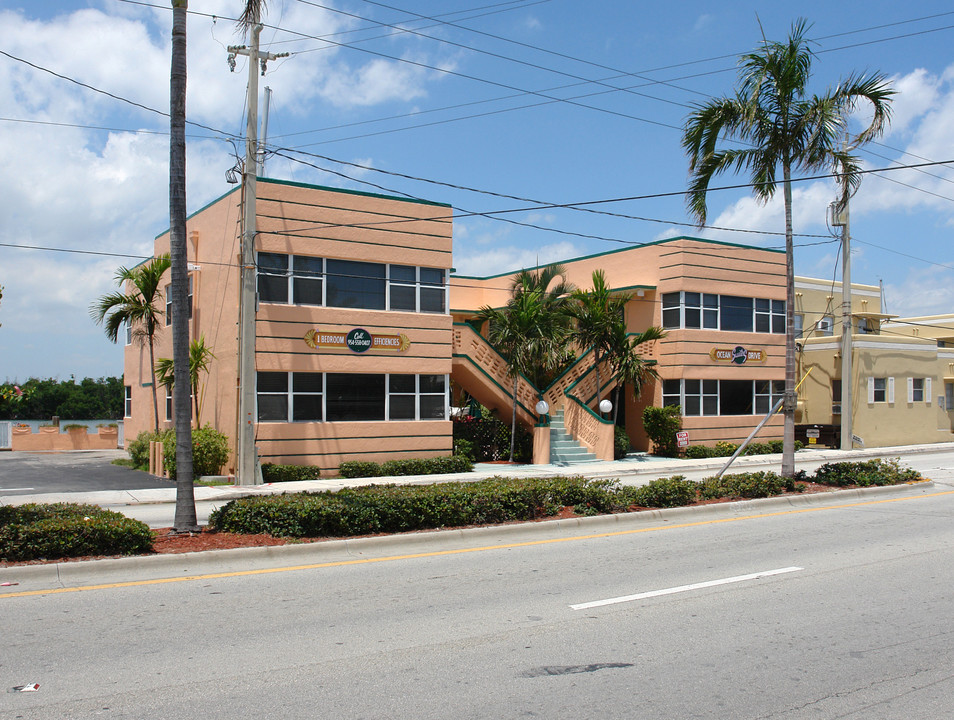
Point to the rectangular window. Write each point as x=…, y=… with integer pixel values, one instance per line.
x=307, y=280
x=433, y=290
x=880, y=386
x=735, y=397
x=799, y=325
x=692, y=310
x=836, y=397
x=354, y=397
x=354, y=284
x=129, y=333
x=127, y=410
x=168, y=402
x=306, y=396
x=671, y=310
x=272, y=278
x=710, y=311
x=735, y=313
x=769, y=316
x=767, y=393
x=169, y=302
x=918, y=390
x=402, y=288
x=949, y=396
x=272, y=397
x=672, y=392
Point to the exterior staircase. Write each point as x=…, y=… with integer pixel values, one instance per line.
x=564, y=450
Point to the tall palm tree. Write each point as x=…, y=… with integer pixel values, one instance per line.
x=185, y=516
x=598, y=313
x=625, y=354
x=781, y=126
x=532, y=328
x=140, y=308
x=200, y=357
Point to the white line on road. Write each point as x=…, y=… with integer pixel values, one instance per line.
x=14, y=489
x=683, y=588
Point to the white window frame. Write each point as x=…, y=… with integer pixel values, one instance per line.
x=887, y=390
x=127, y=402
x=919, y=390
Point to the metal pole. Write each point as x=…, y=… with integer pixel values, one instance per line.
x=846, y=377
x=261, y=147
x=245, y=474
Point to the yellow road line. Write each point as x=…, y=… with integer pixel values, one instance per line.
x=460, y=551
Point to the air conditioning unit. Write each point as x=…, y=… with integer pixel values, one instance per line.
x=836, y=409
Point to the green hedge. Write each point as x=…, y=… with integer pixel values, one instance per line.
x=413, y=466
x=393, y=508
x=34, y=532
x=272, y=473
x=398, y=508
x=865, y=473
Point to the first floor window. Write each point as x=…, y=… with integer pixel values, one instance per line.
x=350, y=397
x=880, y=389
x=127, y=410
x=767, y=393
x=723, y=397
x=949, y=396
x=919, y=390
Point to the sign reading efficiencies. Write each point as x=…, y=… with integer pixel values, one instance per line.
x=357, y=340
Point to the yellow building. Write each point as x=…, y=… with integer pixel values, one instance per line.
x=902, y=368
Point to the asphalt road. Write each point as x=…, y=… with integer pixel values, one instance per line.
x=827, y=609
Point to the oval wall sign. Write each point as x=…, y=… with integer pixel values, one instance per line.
x=358, y=340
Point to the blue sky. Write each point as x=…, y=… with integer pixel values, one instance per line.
x=503, y=110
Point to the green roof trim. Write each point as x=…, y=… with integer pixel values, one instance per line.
x=360, y=193
x=620, y=250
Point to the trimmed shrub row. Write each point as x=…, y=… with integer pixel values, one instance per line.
x=272, y=473
x=413, y=466
x=726, y=449
x=392, y=508
x=60, y=530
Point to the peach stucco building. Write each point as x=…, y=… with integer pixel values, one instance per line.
x=365, y=338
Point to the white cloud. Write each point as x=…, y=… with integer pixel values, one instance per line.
x=493, y=261
x=926, y=291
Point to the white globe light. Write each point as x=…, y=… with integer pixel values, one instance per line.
x=605, y=406
x=542, y=407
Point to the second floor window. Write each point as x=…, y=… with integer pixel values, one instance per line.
x=693, y=310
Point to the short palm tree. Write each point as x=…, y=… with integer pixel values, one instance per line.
x=626, y=358
x=531, y=330
x=598, y=313
x=781, y=127
x=139, y=308
x=200, y=358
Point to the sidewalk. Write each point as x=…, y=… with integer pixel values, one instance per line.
x=635, y=469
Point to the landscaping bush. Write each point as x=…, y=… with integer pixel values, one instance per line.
x=669, y=492
x=32, y=532
x=724, y=448
x=139, y=449
x=272, y=473
x=661, y=425
x=695, y=452
x=621, y=444
x=412, y=466
x=757, y=449
x=463, y=447
x=210, y=451
x=394, y=508
x=489, y=439
x=744, y=485
x=865, y=473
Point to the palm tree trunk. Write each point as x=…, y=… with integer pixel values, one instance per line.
x=155, y=396
x=513, y=421
x=788, y=438
x=185, y=516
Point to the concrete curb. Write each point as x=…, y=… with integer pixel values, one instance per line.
x=65, y=575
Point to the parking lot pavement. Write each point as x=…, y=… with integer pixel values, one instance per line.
x=40, y=473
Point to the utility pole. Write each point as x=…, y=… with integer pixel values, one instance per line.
x=840, y=218
x=246, y=470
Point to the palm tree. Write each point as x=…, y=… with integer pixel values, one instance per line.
x=200, y=357
x=185, y=517
x=532, y=328
x=627, y=361
x=139, y=308
x=598, y=313
x=781, y=127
